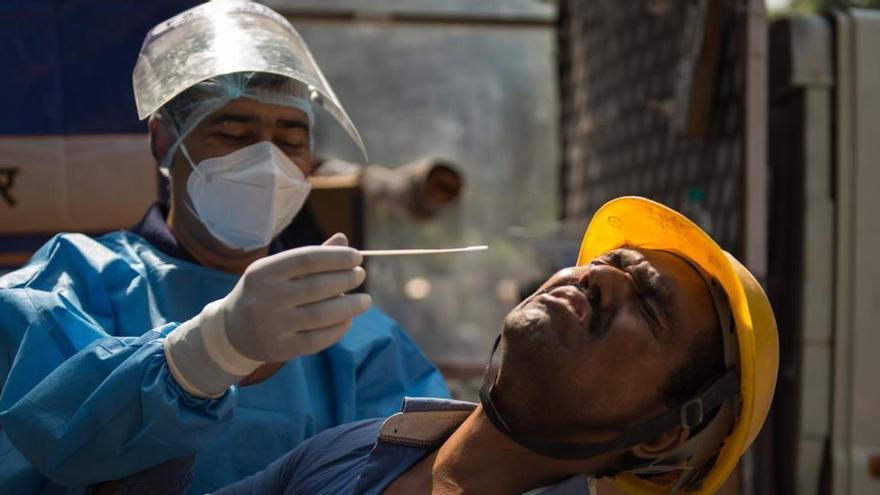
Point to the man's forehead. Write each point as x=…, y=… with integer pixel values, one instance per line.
x=632, y=255
x=636, y=254
x=247, y=110
x=662, y=269
x=629, y=254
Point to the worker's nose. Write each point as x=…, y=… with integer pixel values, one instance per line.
x=614, y=284
x=265, y=133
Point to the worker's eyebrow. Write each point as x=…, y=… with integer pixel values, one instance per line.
x=232, y=117
x=649, y=284
x=243, y=118
x=293, y=124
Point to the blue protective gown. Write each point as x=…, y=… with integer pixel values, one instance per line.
x=87, y=395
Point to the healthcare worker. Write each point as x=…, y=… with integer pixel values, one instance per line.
x=133, y=349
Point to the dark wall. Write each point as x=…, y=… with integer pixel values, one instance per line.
x=67, y=63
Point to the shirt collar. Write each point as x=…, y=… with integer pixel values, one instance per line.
x=153, y=228
x=418, y=430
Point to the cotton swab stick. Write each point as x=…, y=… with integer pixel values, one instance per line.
x=409, y=252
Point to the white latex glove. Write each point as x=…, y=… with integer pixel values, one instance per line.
x=286, y=305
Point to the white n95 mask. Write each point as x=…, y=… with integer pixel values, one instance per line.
x=247, y=197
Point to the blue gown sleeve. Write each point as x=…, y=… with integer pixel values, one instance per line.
x=390, y=366
x=81, y=404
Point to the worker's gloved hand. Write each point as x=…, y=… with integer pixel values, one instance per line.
x=286, y=305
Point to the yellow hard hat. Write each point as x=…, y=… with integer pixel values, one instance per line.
x=642, y=223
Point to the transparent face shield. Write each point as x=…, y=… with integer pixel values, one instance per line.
x=221, y=38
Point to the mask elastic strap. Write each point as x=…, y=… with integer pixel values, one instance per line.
x=188, y=159
x=178, y=142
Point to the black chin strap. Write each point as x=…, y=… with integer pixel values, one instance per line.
x=688, y=414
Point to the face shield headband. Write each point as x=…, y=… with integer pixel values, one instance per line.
x=688, y=414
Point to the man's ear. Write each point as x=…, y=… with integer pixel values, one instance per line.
x=160, y=138
x=664, y=443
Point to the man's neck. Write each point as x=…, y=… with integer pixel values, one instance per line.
x=478, y=458
x=206, y=250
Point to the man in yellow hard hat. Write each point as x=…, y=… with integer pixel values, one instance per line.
x=652, y=361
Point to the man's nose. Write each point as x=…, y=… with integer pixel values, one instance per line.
x=265, y=132
x=614, y=283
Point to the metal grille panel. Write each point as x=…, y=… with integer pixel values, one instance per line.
x=621, y=67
